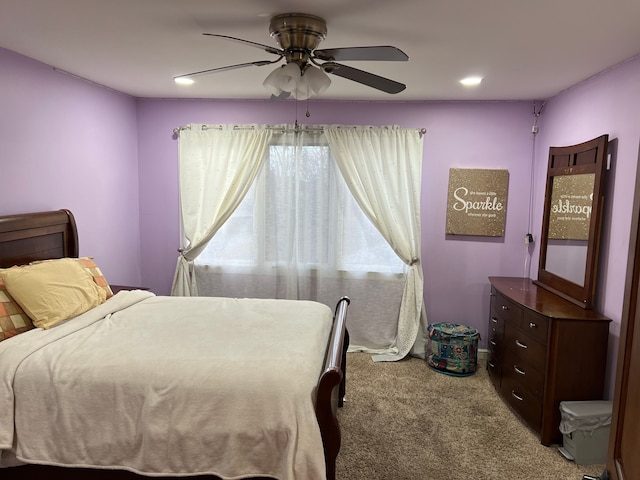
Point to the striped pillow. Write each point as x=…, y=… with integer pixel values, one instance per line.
x=13, y=320
x=90, y=266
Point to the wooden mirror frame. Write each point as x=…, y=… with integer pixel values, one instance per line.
x=587, y=157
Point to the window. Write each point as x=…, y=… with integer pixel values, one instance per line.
x=300, y=211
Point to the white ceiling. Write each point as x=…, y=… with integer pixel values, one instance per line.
x=525, y=50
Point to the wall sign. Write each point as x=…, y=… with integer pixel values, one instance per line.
x=477, y=202
x=571, y=204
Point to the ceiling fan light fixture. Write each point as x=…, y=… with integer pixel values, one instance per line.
x=283, y=79
x=302, y=90
x=290, y=78
x=272, y=82
x=318, y=80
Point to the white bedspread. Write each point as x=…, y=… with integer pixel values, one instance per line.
x=170, y=386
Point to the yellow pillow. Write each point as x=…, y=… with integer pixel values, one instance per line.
x=90, y=266
x=50, y=292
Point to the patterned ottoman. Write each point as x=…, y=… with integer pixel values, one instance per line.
x=453, y=349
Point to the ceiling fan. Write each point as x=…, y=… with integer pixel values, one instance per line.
x=304, y=72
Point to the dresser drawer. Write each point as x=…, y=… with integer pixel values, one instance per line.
x=496, y=335
x=523, y=375
x=496, y=347
x=494, y=368
x=524, y=347
x=496, y=326
x=523, y=402
x=536, y=326
x=507, y=310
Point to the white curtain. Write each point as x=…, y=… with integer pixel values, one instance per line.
x=296, y=231
x=217, y=166
x=383, y=169
x=300, y=234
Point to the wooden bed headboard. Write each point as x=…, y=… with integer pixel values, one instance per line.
x=28, y=237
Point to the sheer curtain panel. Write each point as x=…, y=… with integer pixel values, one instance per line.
x=300, y=234
x=217, y=165
x=383, y=170
x=308, y=213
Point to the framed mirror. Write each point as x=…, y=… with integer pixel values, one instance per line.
x=572, y=218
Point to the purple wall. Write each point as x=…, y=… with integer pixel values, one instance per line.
x=606, y=104
x=65, y=143
x=112, y=160
x=465, y=135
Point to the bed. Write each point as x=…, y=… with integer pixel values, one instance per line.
x=146, y=385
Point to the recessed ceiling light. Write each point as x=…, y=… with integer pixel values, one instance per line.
x=183, y=80
x=471, y=81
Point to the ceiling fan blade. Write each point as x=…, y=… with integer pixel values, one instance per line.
x=365, y=78
x=380, y=53
x=259, y=63
x=266, y=48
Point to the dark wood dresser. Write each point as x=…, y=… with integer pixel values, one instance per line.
x=543, y=350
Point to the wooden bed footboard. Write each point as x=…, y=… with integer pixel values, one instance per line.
x=332, y=387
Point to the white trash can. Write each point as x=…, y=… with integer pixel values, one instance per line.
x=585, y=427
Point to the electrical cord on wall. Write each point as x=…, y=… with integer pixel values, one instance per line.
x=528, y=239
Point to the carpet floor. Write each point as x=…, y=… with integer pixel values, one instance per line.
x=403, y=421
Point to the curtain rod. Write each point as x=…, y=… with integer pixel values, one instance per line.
x=297, y=128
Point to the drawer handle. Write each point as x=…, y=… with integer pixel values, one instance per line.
x=532, y=325
x=492, y=342
x=494, y=319
x=491, y=294
x=516, y=396
x=521, y=372
x=505, y=307
x=491, y=364
x=520, y=344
